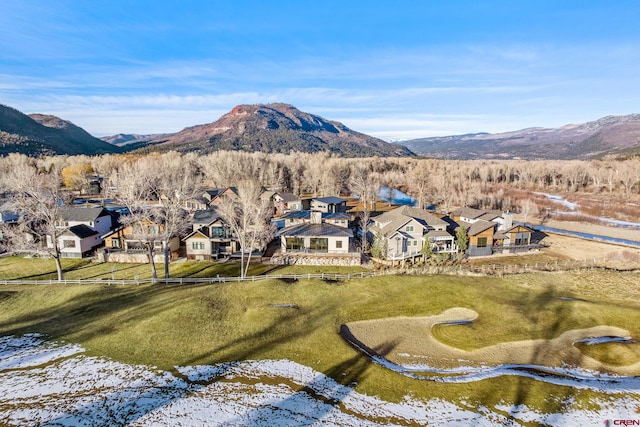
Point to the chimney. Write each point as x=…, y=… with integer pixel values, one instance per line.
x=316, y=217
x=508, y=220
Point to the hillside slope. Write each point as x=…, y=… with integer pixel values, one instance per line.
x=611, y=135
x=40, y=134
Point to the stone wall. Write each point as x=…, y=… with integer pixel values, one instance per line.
x=124, y=257
x=311, y=259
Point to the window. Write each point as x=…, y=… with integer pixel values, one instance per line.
x=197, y=245
x=320, y=244
x=521, y=241
x=218, y=232
x=338, y=244
x=69, y=243
x=157, y=244
x=294, y=243
x=409, y=228
x=482, y=242
x=415, y=243
x=153, y=229
x=116, y=243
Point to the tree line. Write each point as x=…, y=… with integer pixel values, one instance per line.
x=40, y=186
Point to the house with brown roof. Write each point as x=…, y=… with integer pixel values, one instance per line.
x=492, y=231
x=513, y=240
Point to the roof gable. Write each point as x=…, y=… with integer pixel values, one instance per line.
x=82, y=231
x=199, y=233
x=287, y=197
x=207, y=216
x=398, y=217
x=316, y=230
x=519, y=229
x=479, y=226
x=330, y=200
x=82, y=214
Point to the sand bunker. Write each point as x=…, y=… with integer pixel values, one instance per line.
x=407, y=345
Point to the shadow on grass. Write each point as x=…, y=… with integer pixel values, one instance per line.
x=543, y=306
x=82, y=317
x=329, y=395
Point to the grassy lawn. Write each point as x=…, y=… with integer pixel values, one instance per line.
x=44, y=269
x=169, y=326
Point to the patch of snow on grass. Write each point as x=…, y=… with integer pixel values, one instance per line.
x=55, y=384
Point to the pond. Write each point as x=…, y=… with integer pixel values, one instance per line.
x=395, y=196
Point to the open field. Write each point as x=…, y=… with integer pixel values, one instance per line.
x=168, y=326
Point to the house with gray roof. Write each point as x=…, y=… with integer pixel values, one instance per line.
x=406, y=230
x=312, y=234
x=286, y=202
x=211, y=238
x=98, y=218
x=78, y=241
x=328, y=204
x=84, y=230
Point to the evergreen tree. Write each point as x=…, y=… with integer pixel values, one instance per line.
x=462, y=239
x=427, y=249
x=379, y=247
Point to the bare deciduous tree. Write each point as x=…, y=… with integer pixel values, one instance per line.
x=38, y=198
x=528, y=207
x=248, y=217
x=154, y=190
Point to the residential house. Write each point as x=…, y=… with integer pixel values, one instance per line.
x=98, y=218
x=77, y=241
x=311, y=234
x=513, y=240
x=6, y=217
x=203, y=201
x=84, y=227
x=492, y=231
x=480, y=234
x=210, y=238
x=329, y=204
x=126, y=238
x=406, y=229
x=471, y=215
x=286, y=202
x=227, y=192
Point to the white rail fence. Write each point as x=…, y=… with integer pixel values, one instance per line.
x=494, y=270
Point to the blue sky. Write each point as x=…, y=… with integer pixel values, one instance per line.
x=392, y=69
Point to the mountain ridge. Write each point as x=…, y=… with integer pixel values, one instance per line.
x=275, y=128
x=606, y=136
x=42, y=134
